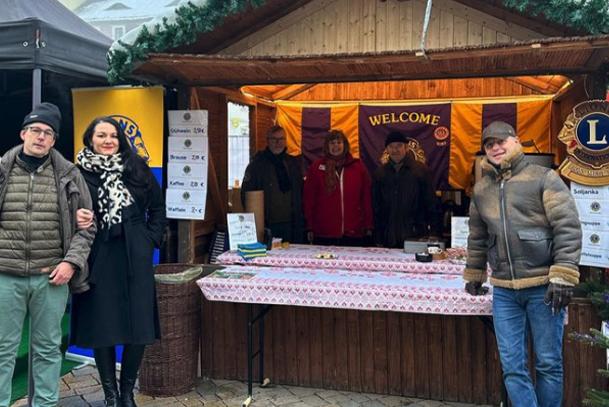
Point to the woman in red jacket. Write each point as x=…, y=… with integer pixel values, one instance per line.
x=337, y=196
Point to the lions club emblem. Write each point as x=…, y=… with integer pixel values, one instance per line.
x=586, y=136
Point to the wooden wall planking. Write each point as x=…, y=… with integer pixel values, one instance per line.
x=337, y=26
x=457, y=88
x=442, y=357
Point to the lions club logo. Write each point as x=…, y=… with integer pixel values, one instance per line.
x=134, y=135
x=586, y=135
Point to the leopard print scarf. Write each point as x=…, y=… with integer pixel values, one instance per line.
x=112, y=195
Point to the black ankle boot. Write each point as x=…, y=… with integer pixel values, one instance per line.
x=130, y=365
x=105, y=359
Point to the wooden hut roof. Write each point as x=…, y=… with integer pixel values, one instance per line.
x=232, y=24
x=565, y=56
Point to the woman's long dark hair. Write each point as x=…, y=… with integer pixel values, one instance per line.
x=136, y=170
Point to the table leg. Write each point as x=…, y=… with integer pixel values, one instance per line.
x=250, y=356
x=251, y=320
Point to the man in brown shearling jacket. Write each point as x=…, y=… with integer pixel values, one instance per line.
x=524, y=223
x=41, y=251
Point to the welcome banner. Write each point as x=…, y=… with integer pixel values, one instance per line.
x=426, y=126
x=445, y=134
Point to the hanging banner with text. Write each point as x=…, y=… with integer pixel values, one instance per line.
x=444, y=134
x=427, y=129
x=138, y=110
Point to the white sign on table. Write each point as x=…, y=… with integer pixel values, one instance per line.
x=593, y=208
x=459, y=231
x=241, y=229
x=187, y=168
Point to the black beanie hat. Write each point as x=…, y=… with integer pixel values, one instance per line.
x=46, y=113
x=395, y=136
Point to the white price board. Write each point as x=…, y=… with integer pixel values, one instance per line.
x=187, y=157
x=182, y=143
x=185, y=204
x=241, y=229
x=459, y=231
x=593, y=208
x=193, y=123
x=187, y=170
x=186, y=183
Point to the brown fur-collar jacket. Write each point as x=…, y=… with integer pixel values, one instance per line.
x=524, y=223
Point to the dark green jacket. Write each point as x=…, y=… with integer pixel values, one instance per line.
x=524, y=223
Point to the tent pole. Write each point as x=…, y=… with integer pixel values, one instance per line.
x=36, y=99
x=36, y=86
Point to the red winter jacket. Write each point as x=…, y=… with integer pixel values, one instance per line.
x=346, y=211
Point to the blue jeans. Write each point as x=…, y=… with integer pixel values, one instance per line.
x=513, y=311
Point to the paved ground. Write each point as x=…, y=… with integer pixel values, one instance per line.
x=81, y=388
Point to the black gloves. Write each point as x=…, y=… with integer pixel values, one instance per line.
x=475, y=288
x=558, y=296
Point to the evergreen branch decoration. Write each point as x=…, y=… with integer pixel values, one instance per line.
x=191, y=21
x=591, y=16
x=595, y=397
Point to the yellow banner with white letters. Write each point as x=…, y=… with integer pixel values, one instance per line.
x=139, y=111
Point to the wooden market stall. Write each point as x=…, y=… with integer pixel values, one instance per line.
x=336, y=51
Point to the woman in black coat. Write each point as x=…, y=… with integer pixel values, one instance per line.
x=120, y=308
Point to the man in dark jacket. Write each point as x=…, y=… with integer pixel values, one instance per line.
x=41, y=252
x=279, y=175
x=402, y=196
x=523, y=222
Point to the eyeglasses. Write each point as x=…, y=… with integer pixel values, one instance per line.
x=490, y=143
x=37, y=131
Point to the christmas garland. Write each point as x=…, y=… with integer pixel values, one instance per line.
x=591, y=16
x=191, y=20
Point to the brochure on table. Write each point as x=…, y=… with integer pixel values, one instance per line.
x=459, y=231
x=188, y=154
x=241, y=229
x=593, y=208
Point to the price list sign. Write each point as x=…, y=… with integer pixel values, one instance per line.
x=593, y=208
x=188, y=153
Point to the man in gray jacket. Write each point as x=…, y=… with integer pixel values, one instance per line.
x=41, y=251
x=524, y=223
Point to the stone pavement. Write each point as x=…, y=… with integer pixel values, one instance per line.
x=81, y=388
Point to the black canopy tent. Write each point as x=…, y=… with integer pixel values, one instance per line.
x=45, y=50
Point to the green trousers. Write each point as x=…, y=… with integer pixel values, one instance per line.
x=46, y=305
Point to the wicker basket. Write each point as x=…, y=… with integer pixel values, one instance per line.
x=169, y=367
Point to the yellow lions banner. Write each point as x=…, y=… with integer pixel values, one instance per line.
x=139, y=111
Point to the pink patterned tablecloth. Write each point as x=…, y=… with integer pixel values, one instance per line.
x=346, y=289
x=347, y=258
